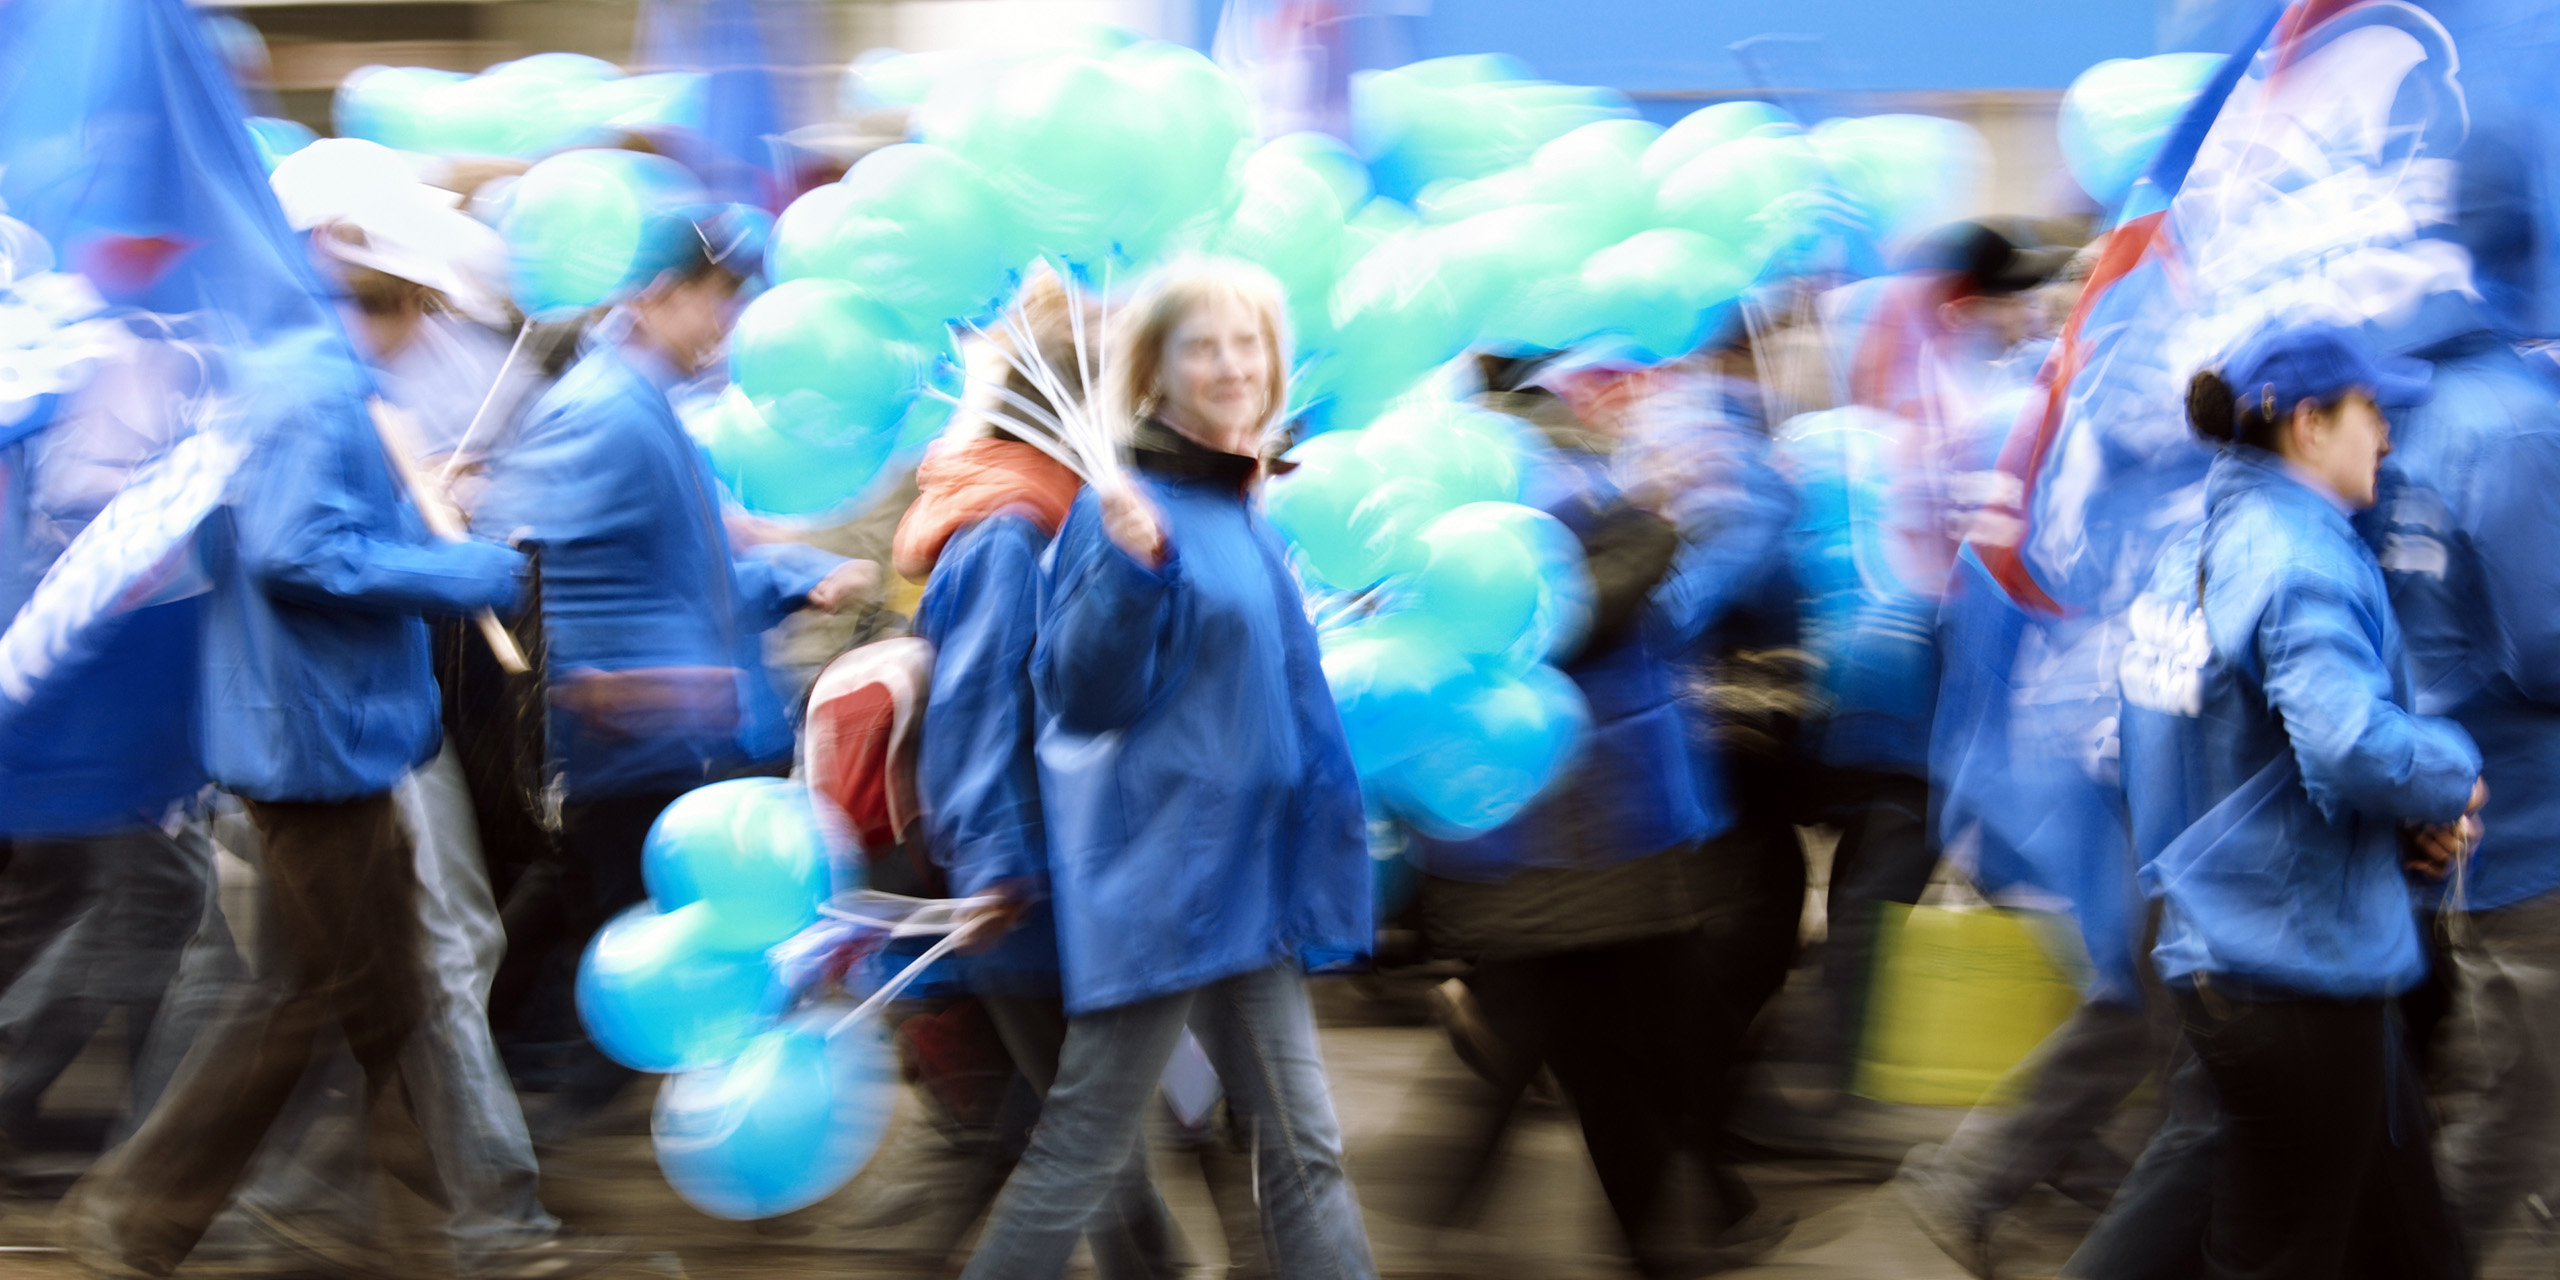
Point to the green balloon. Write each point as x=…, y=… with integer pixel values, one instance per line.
x=1433, y=442
x=1475, y=579
x=827, y=363
x=912, y=224
x=1397, y=315
x=1455, y=199
x=1702, y=130
x=1291, y=224
x=1314, y=507
x=775, y=474
x=1756, y=193
x=1341, y=167
x=1598, y=167
x=1663, y=288
x=585, y=228
x=1100, y=156
x=1515, y=269
x=1907, y=174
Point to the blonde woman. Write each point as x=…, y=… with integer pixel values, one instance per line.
x=1204, y=825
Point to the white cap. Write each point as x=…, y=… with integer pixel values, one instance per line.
x=408, y=228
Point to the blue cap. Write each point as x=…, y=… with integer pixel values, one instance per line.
x=2281, y=367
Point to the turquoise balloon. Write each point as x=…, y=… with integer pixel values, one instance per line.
x=1665, y=289
x=1599, y=167
x=752, y=850
x=1397, y=315
x=914, y=225
x=655, y=994
x=1477, y=583
x=1442, y=444
x=1462, y=118
x=1098, y=156
x=1703, y=130
x=783, y=1125
x=1314, y=507
x=386, y=104
x=1513, y=269
x=1905, y=174
x=1496, y=742
x=828, y=363
x=1386, y=675
x=557, y=68
x=588, y=228
x=1755, y=193
x=1290, y=222
x=2116, y=114
x=661, y=99
x=1340, y=166
x=277, y=138
x=775, y=474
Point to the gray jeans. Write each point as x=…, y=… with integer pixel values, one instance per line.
x=1260, y=1033
x=467, y=1113
x=2073, y=1082
x=2504, y=1032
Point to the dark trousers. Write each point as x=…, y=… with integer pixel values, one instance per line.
x=555, y=910
x=341, y=945
x=2154, y=1227
x=1608, y=1022
x=142, y=893
x=2327, y=1169
x=1884, y=855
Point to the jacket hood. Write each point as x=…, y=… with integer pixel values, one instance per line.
x=961, y=485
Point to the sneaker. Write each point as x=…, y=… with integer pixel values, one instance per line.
x=1962, y=1235
x=567, y=1253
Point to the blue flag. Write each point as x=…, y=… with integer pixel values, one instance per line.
x=124, y=150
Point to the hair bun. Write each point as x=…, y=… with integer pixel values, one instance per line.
x=2210, y=409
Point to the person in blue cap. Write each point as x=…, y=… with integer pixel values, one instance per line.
x=655, y=622
x=2464, y=528
x=2282, y=791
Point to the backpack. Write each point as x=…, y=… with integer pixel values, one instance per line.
x=866, y=717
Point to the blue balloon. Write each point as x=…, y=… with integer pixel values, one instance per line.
x=1496, y=743
x=1385, y=676
x=751, y=852
x=780, y=1128
x=655, y=995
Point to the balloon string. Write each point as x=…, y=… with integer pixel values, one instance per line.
x=462, y=448
x=889, y=990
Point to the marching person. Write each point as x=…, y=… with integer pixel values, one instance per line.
x=655, y=624
x=985, y=511
x=2281, y=788
x=1204, y=824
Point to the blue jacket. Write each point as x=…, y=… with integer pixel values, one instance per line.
x=1638, y=786
x=638, y=576
x=2466, y=529
x=976, y=772
x=316, y=680
x=1203, y=816
x=2270, y=753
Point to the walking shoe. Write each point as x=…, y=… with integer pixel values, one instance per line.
x=80, y=1225
x=567, y=1253
x=1962, y=1235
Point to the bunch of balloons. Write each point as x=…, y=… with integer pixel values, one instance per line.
x=1455, y=720
x=1568, y=223
x=2117, y=113
x=526, y=108
x=765, y=1113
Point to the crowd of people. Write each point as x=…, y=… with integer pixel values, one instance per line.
x=2303, y=859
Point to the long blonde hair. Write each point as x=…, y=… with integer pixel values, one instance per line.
x=1140, y=329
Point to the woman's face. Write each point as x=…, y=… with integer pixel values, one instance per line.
x=1214, y=381
x=2344, y=446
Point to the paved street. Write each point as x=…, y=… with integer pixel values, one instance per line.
x=1401, y=1091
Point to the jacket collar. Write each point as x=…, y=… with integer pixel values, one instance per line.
x=2244, y=469
x=1167, y=454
